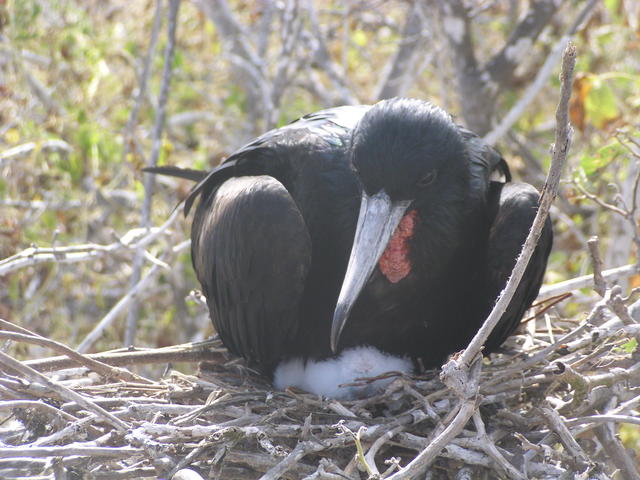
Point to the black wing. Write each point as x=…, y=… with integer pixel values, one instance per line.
x=518, y=205
x=251, y=246
x=333, y=126
x=487, y=165
x=251, y=252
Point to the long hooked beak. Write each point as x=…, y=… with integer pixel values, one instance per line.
x=377, y=220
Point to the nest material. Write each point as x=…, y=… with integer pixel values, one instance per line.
x=551, y=412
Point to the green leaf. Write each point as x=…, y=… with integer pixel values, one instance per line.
x=359, y=37
x=630, y=347
x=613, y=6
x=600, y=103
x=592, y=163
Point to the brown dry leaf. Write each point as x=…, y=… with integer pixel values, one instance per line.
x=577, y=112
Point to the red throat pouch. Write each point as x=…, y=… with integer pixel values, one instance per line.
x=394, y=262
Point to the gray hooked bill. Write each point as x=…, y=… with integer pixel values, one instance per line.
x=377, y=220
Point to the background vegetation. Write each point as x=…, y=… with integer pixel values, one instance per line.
x=78, y=110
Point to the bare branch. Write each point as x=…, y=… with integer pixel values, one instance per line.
x=190, y=352
x=400, y=72
x=559, y=155
x=541, y=78
x=64, y=392
x=476, y=101
x=133, y=239
x=503, y=64
x=610, y=275
x=24, y=335
x=144, y=79
x=150, y=179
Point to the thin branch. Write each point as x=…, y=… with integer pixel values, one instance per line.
x=68, y=450
x=585, y=281
x=150, y=179
x=133, y=239
x=26, y=149
x=24, y=335
x=189, y=352
x=559, y=155
x=598, y=280
x=64, y=392
x=556, y=423
x=400, y=72
x=503, y=64
x=544, y=72
x=144, y=79
x=418, y=465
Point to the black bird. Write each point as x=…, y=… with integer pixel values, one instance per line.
x=387, y=226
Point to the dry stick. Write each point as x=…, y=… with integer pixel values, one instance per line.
x=556, y=424
x=492, y=450
x=617, y=452
x=69, y=450
x=301, y=450
x=587, y=280
x=598, y=280
x=549, y=192
x=45, y=407
x=544, y=73
x=456, y=372
x=612, y=296
x=131, y=295
x=188, y=352
x=96, y=333
x=64, y=392
x=79, y=253
x=144, y=80
x=149, y=181
x=23, y=335
x=552, y=302
x=370, y=457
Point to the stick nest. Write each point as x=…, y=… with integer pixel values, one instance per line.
x=549, y=409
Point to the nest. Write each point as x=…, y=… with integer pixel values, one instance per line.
x=549, y=408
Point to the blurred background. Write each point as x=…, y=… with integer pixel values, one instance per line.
x=80, y=97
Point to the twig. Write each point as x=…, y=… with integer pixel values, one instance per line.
x=559, y=155
x=64, y=392
x=544, y=72
x=123, y=303
x=144, y=80
x=132, y=240
x=189, y=352
x=598, y=280
x=301, y=450
x=610, y=275
x=617, y=452
x=26, y=149
x=62, y=415
x=23, y=335
x=548, y=303
x=491, y=449
x=555, y=423
x=69, y=450
x=467, y=407
x=370, y=457
x=149, y=180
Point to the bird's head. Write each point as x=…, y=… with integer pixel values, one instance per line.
x=408, y=155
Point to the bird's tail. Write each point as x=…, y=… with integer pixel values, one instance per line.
x=170, y=171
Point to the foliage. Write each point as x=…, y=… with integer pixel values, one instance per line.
x=70, y=71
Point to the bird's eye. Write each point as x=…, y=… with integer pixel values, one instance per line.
x=427, y=179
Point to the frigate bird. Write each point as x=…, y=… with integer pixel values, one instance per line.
x=378, y=236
